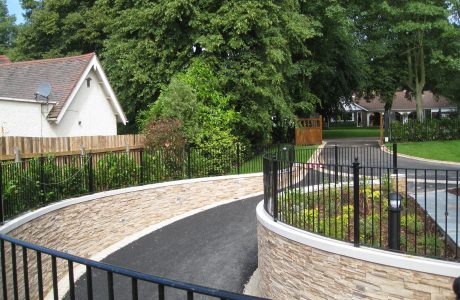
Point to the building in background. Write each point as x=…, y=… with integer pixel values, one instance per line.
x=366, y=112
x=59, y=97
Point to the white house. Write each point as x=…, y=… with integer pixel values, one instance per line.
x=59, y=97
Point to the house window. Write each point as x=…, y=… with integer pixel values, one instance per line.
x=88, y=82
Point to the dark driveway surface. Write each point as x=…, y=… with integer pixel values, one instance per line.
x=402, y=161
x=216, y=248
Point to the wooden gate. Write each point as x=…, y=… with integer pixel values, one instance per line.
x=310, y=132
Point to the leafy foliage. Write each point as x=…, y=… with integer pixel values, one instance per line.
x=271, y=60
x=164, y=133
x=405, y=41
x=41, y=181
x=7, y=28
x=56, y=28
x=428, y=130
x=193, y=97
x=115, y=170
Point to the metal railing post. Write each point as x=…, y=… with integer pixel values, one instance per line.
x=395, y=158
x=275, y=166
x=238, y=158
x=291, y=156
x=189, y=165
x=336, y=164
x=2, y=211
x=90, y=173
x=356, y=202
x=42, y=178
x=141, y=165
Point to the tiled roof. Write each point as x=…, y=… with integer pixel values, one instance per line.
x=20, y=80
x=400, y=102
x=4, y=59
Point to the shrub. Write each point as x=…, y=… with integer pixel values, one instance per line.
x=429, y=130
x=116, y=170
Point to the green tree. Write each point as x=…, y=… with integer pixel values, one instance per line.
x=339, y=65
x=7, y=28
x=194, y=98
x=256, y=49
x=263, y=60
x=55, y=28
x=403, y=40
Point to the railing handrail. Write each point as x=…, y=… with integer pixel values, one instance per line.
x=130, y=273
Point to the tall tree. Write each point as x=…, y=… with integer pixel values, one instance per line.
x=257, y=49
x=7, y=27
x=418, y=25
x=338, y=64
x=401, y=39
x=56, y=28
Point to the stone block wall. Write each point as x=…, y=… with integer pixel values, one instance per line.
x=87, y=228
x=292, y=270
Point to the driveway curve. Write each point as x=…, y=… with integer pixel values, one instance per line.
x=215, y=248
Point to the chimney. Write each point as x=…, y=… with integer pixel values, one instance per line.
x=4, y=59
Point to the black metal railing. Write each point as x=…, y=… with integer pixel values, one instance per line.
x=414, y=211
x=36, y=182
x=29, y=271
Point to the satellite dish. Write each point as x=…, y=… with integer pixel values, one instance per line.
x=44, y=90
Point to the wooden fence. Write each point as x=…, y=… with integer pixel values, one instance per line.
x=36, y=146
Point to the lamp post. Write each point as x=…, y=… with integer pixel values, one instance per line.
x=394, y=219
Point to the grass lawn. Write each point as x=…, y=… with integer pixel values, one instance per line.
x=333, y=133
x=302, y=154
x=438, y=150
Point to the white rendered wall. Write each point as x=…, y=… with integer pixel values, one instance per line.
x=89, y=114
x=22, y=119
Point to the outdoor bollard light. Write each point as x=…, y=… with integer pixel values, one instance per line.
x=394, y=219
x=456, y=288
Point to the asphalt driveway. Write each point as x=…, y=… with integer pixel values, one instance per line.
x=216, y=248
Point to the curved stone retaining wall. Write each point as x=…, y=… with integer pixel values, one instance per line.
x=87, y=226
x=294, y=264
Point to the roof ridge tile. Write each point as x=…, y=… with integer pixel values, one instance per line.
x=87, y=56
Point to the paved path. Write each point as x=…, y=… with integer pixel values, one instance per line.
x=215, y=248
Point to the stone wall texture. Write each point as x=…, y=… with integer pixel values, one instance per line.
x=86, y=228
x=291, y=270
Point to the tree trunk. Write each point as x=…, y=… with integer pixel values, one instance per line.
x=419, y=104
x=416, y=75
